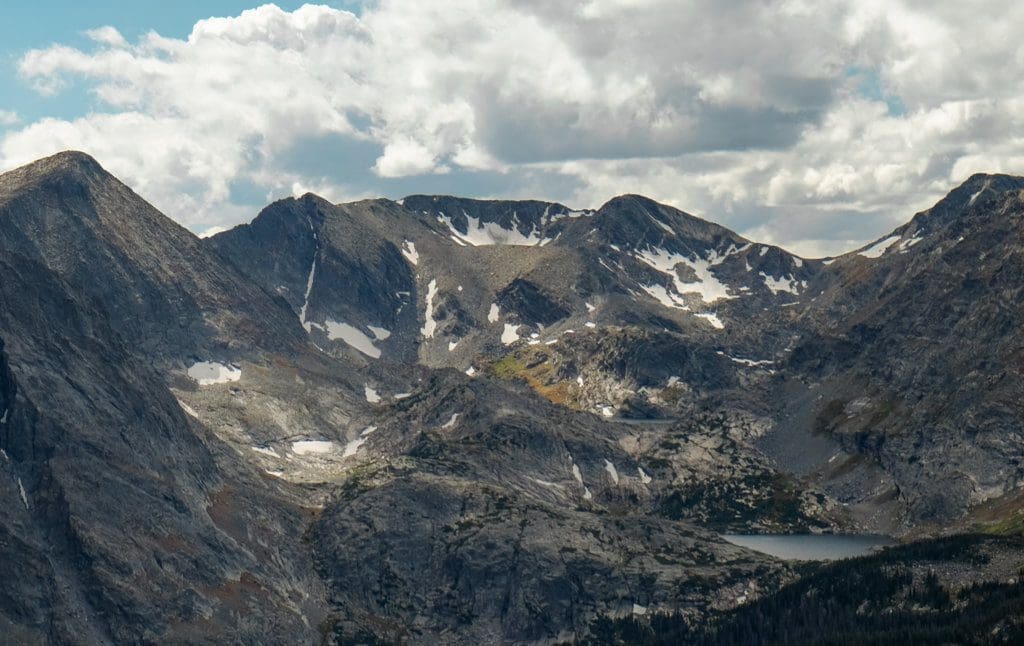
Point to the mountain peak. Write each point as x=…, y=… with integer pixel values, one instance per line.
x=68, y=160
x=628, y=198
x=976, y=187
x=635, y=218
x=312, y=199
x=69, y=167
x=71, y=158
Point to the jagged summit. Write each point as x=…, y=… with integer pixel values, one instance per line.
x=963, y=210
x=977, y=188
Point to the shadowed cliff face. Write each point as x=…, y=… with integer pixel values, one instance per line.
x=914, y=354
x=462, y=421
x=122, y=522
x=161, y=289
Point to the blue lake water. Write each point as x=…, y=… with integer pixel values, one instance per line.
x=810, y=547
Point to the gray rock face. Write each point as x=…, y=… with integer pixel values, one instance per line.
x=636, y=293
x=464, y=563
x=442, y=420
x=123, y=518
x=911, y=354
x=161, y=289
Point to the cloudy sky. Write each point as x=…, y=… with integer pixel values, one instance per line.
x=814, y=125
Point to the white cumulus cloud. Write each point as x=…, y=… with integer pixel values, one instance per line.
x=814, y=125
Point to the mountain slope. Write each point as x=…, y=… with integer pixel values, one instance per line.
x=161, y=288
x=200, y=471
x=120, y=510
x=915, y=354
x=459, y=283
x=442, y=420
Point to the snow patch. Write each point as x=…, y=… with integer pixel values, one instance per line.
x=381, y=333
x=451, y=423
x=207, y=373
x=452, y=345
x=786, y=284
x=707, y=285
x=185, y=407
x=371, y=394
x=579, y=478
x=310, y=447
x=610, y=468
x=664, y=226
x=590, y=324
x=482, y=234
x=21, y=489
x=309, y=290
x=470, y=371
x=352, y=336
x=608, y=411
x=510, y=334
x=753, y=363
x=429, y=324
x=410, y=253
x=665, y=297
x=494, y=313
x=644, y=478
x=590, y=308
x=549, y=217
x=353, y=447
x=910, y=242
x=877, y=249
x=577, y=474
x=712, y=319
x=266, y=451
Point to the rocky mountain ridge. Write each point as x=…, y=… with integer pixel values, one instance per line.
x=383, y=420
